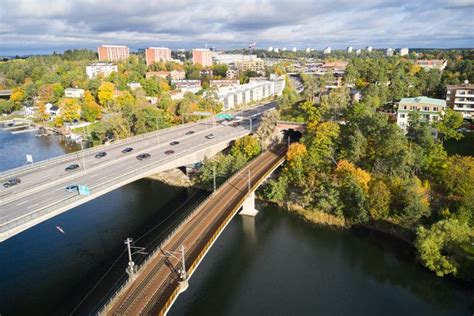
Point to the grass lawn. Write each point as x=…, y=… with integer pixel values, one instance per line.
x=464, y=147
x=82, y=130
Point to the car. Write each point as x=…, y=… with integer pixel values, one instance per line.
x=72, y=167
x=127, y=150
x=169, y=152
x=174, y=143
x=189, y=132
x=235, y=124
x=72, y=188
x=210, y=136
x=101, y=154
x=12, y=182
x=143, y=156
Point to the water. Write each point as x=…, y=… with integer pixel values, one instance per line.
x=279, y=265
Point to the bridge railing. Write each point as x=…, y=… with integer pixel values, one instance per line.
x=153, y=254
x=137, y=171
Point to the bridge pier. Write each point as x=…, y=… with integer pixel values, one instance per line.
x=248, y=207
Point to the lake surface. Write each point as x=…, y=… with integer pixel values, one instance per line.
x=275, y=265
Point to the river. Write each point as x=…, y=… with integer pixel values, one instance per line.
x=276, y=265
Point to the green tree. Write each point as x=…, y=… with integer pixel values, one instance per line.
x=246, y=146
x=448, y=126
x=378, y=199
x=438, y=246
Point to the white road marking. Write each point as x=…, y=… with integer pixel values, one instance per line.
x=33, y=205
x=22, y=202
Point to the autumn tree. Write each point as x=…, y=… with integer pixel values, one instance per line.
x=91, y=111
x=379, y=199
x=70, y=110
x=246, y=146
x=106, y=94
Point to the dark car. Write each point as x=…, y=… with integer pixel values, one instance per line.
x=235, y=124
x=101, y=154
x=72, y=167
x=11, y=182
x=174, y=143
x=143, y=156
x=72, y=188
x=210, y=136
x=169, y=152
x=190, y=132
x=127, y=150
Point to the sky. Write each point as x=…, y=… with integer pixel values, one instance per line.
x=44, y=26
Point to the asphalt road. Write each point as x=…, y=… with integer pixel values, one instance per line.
x=42, y=186
x=157, y=279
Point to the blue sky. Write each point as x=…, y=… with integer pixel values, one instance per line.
x=43, y=26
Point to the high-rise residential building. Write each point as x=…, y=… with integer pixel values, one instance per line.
x=270, y=49
x=202, y=56
x=369, y=49
x=430, y=110
x=157, y=54
x=113, y=52
x=294, y=50
x=460, y=98
x=327, y=50
x=404, y=51
x=349, y=49
x=389, y=52
x=358, y=51
x=308, y=50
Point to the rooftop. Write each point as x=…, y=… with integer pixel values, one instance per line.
x=424, y=100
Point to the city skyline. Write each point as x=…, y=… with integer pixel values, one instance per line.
x=34, y=27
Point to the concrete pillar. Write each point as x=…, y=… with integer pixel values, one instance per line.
x=248, y=207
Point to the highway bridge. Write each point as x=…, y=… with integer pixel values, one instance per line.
x=153, y=288
x=42, y=192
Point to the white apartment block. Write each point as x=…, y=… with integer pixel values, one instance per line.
x=461, y=99
x=104, y=69
x=234, y=96
x=230, y=59
x=430, y=110
x=327, y=50
x=404, y=51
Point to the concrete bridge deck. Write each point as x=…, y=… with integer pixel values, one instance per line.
x=156, y=286
x=42, y=195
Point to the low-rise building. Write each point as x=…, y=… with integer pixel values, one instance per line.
x=461, y=99
x=432, y=64
x=104, y=69
x=173, y=75
x=73, y=93
x=224, y=83
x=234, y=96
x=252, y=65
x=187, y=85
x=430, y=110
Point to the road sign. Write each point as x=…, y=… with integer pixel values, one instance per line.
x=83, y=190
x=29, y=158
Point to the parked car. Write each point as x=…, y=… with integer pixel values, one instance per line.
x=189, y=132
x=143, y=156
x=101, y=154
x=127, y=150
x=169, y=152
x=174, y=143
x=210, y=136
x=72, y=167
x=235, y=124
x=11, y=182
x=72, y=188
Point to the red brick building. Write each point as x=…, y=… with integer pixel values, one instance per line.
x=202, y=56
x=113, y=52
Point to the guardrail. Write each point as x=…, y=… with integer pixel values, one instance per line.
x=53, y=206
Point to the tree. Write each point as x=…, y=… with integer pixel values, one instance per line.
x=320, y=142
x=448, y=126
x=295, y=157
x=70, y=110
x=378, y=199
x=106, y=93
x=91, y=111
x=18, y=95
x=41, y=115
x=346, y=169
x=126, y=98
x=246, y=146
x=220, y=70
x=276, y=189
x=6, y=106
x=439, y=245
x=411, y=200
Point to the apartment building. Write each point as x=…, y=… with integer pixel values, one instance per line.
x=432, y=64
x=104, y=69
x=253, y=65
x=461, y=99
x=173, y=74
x=113, y=52
x=187, y=85
x=234, y=96
x=157, y=54
x=231, y=59
x=224, y=82
x=327, y=50
x=404, y=51
x=430, y=110
x=389, y=52
x=202, y=56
